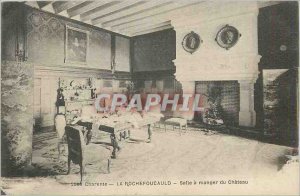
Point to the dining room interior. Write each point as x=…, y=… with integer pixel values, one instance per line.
x=59, y=57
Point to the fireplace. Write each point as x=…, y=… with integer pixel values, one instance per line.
x=229, y=99
x=236, y=67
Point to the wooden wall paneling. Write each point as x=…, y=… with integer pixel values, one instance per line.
x=123, y=86
x=107, y=86
x=44, y=34
x=115, y=86
x=122, y=54
x=46, y=41
x=148, y=86
x=278, y=44
x=49, y=86
x=154, y=52
x=37, y=103
x=98, y=85
x=160, y=85
x=45, y=102
x=169, y=85
x=54, y=86
x=278, y=34
x=11, y=32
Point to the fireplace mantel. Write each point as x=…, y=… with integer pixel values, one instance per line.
x=217, y=69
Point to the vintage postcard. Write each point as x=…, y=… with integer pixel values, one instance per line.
x=149, y=97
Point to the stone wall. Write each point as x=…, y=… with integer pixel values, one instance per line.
x=16, y=117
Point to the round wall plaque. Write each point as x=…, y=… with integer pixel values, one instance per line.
x=227, y=37
x=191, y=42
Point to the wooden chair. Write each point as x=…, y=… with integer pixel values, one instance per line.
x=78, y=151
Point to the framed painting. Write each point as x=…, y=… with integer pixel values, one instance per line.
x=76, y=45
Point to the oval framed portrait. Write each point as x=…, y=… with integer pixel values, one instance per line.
x=191, y=42
x=227, y=37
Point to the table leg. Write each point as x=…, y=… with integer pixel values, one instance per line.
x=89, y=136
x=125, y=135
x=115, y=145
x=149, y=132
x=121, y=135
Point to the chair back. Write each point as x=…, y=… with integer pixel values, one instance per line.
x=75, y=143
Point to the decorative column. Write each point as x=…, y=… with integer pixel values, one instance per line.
x=247, y=115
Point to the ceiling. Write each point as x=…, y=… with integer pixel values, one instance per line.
x=126, y=17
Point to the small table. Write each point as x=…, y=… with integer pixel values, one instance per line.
x=121, y=128
x=180, y=122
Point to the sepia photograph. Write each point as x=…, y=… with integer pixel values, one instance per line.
x=149, y=97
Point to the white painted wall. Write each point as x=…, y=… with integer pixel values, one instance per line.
x=210, y=61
